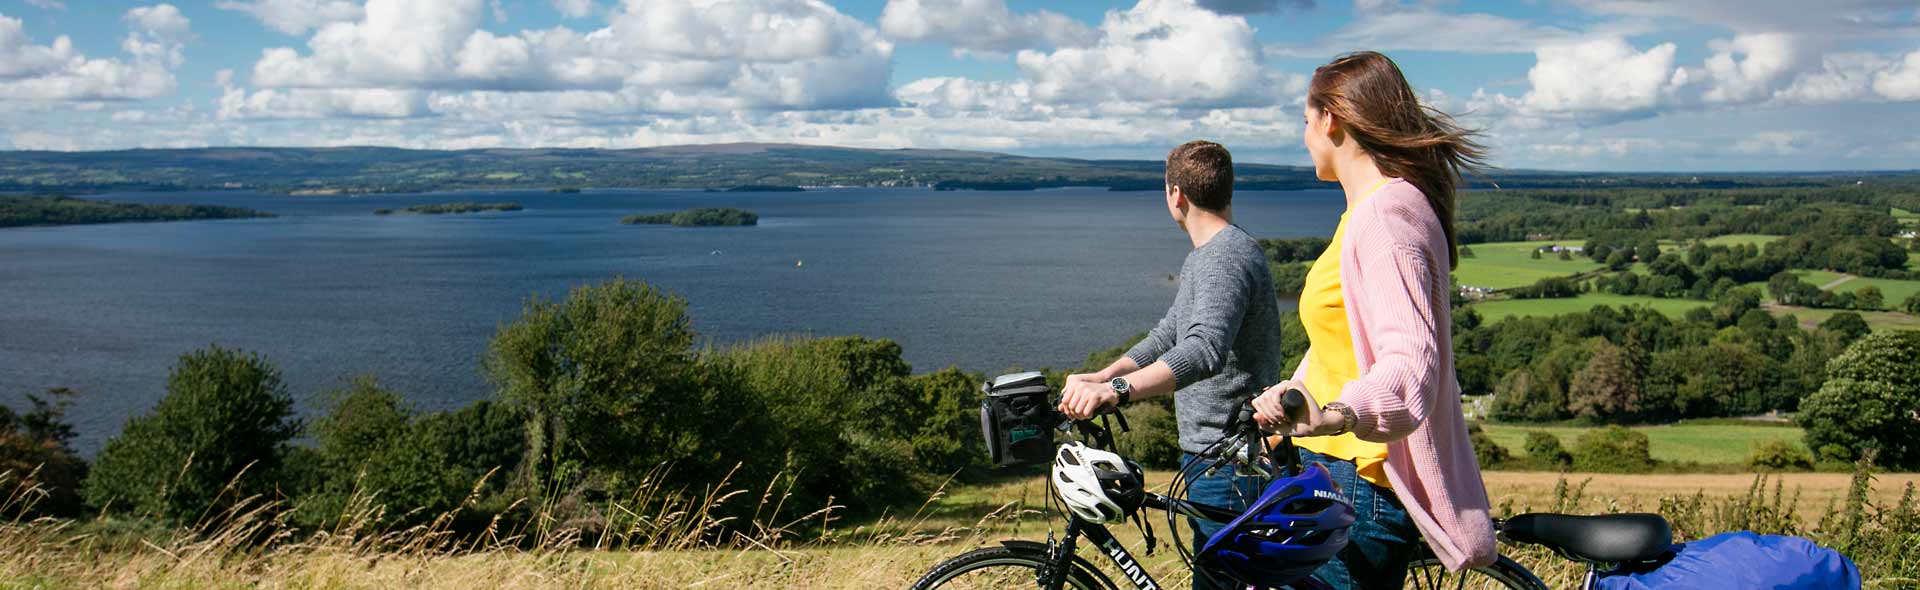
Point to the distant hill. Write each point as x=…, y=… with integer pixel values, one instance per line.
x=719, y=166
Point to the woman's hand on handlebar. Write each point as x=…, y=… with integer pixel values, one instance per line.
x=1312, y=419
x=1082, y=399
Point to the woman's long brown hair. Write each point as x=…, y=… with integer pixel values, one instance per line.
x=1377, y=108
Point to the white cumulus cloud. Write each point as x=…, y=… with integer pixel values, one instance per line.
x=1161, y=52
x=58, y=72
x=295, y=17
x=673, y=56
x=1901, y=82
x=985, y=26
x=1602, y=75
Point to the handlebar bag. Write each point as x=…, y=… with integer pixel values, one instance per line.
x=1015, y=418
x=1743, y=560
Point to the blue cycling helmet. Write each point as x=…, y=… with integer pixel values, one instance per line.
x=1297, y=525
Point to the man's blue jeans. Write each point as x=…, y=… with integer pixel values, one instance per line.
x=1381, y=543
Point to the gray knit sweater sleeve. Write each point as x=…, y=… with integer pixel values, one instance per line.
x=1221, y=337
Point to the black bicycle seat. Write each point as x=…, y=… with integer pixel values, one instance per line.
x=1608, y=538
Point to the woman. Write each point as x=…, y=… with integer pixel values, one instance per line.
x=1375, y=309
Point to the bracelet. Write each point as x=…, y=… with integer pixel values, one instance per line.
x=1347, y=417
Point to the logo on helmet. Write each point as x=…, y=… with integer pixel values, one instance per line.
x=1326, y=495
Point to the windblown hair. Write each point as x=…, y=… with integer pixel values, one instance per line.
x=1376, y=107
x=1204, y=172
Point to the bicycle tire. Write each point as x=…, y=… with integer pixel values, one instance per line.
x=1027, y=558
x=1428, y=572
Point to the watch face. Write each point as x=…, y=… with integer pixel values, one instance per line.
x=1118, y=384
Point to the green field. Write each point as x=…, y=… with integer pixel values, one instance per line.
x=1878, y=320
x=1893, y=291
x=1495, y=310
x=1905, y=217
x=1741, y=239
x=1501, y=265
x=1710, y=442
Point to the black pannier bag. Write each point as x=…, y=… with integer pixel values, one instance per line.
x=1016, y=416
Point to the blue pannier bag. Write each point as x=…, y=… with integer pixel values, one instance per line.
x=1740, y=560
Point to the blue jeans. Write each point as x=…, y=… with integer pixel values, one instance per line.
x=1381, y=543
x=1383, y=538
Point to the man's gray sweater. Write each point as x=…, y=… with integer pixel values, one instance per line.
x=1221, y=338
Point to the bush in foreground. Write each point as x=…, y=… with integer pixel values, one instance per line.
x=1871, y=400
x=225, y=414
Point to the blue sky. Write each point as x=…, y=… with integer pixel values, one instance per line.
x=1700, y=85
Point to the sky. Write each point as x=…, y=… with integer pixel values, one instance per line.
x=1593, y=85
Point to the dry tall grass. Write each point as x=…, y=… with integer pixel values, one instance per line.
x=679, y=543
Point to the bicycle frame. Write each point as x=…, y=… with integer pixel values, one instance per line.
x=1060, y=555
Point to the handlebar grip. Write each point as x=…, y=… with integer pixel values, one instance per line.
x=1294, y=404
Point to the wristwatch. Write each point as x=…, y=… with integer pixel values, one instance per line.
x=1347, y=418
x=1121, y=388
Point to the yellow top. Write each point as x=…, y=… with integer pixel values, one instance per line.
x=1330, y=360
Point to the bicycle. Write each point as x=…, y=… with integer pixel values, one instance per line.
x=1596, y=541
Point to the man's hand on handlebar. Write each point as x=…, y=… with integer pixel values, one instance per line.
x=1314, y=420
x=1082, y=399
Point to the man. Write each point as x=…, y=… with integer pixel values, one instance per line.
x=1219, y=343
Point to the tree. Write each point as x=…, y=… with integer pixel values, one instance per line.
x=1869, y=297
x=1871, y=399
x=1609, y=387
x=369, y=444
x=1521, y=397
x=1912, y=303
x=226, y=413
x=36, y=448
x=594, y=375
x=1849, y=325
x=1620, y=260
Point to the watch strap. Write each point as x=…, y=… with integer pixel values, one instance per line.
x=1347, y=417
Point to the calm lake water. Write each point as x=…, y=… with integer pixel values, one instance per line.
x=327, y=290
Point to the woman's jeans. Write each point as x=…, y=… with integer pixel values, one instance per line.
x=1381, y=543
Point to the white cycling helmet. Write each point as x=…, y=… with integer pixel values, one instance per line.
x=1097, y=486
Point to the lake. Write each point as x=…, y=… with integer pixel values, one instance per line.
x=976, y=279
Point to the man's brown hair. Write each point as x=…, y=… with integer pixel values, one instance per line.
x=1204, y=172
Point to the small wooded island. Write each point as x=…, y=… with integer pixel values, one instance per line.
x=20, y=211
x=461, y=207
x=721, y=216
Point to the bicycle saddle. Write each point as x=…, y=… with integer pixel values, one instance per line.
x=1609, y=538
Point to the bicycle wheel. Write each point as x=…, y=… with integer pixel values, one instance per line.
x=1428, y=573
x=1006, y=567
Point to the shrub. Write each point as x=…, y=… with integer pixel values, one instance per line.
x=1490, y=454
x=36, y=450
x=370, y=446
x=1777, y=455
x=1545, y=448
x=828, y=405
x=1152, y=438
x=1613, y=449
x=225, y=413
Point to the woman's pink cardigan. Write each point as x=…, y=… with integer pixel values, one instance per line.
x=1393, y=275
